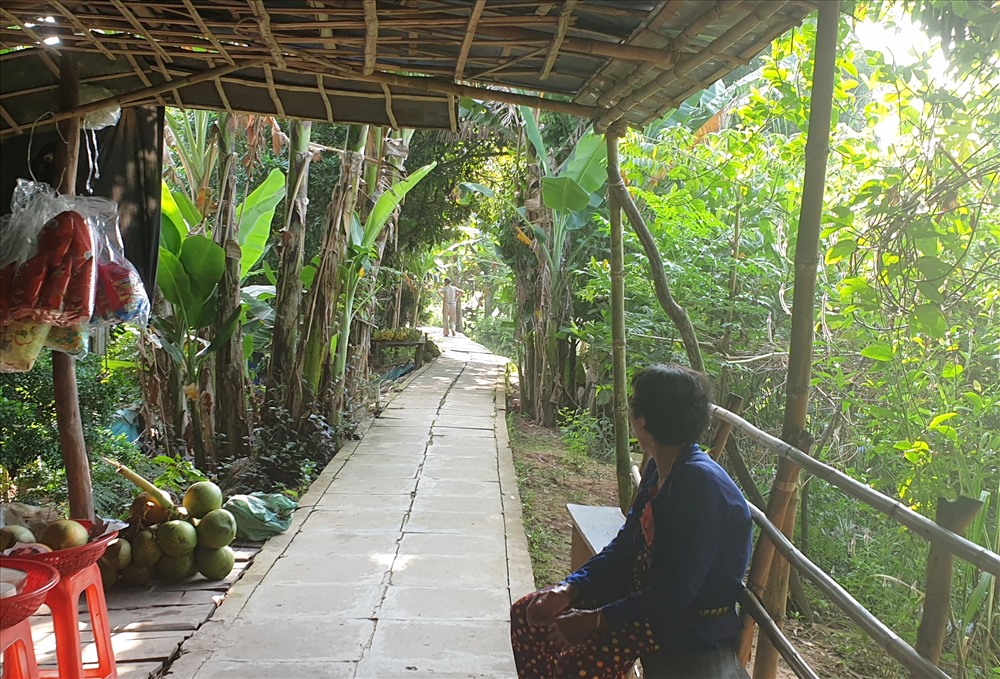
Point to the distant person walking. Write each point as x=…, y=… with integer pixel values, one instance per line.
x=449, y=307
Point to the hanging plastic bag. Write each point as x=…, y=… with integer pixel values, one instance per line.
x=73, y=341
x=120, y=296
x=259, y=515
x=20, y=344
x=48, y=265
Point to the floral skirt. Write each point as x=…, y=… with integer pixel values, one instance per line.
x=609, y=653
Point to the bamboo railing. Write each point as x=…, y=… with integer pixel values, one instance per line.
x=940, y=538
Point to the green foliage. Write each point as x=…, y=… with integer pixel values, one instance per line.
x=586, y=435
x=175, y=474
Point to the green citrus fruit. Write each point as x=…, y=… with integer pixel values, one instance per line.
x=215, y=564
x=145, y=550
x=217, y=529
x=175, y=568
x=201, y=498
x=176, y=537
x=64, y=534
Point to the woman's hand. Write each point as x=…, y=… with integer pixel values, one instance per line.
x=576, y=626
x=543, y=610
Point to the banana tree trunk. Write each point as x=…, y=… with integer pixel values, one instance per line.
x=312, y=361
x=231, y=418
x=284, y=387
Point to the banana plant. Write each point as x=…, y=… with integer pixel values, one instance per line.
x=362, y=253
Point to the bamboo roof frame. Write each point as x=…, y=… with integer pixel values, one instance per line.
x=600, y=59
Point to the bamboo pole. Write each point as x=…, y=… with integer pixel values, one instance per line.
x=791, y=656
x=954, y=515
x=676, y=312
x=919, y=524
x=623, y=460
x=68, y=420
x=872, y=626
x=782, y=501
x=733, y=405
x=470, y=35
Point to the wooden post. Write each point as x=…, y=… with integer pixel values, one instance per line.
x=623, y=460
x=74, y=449
x=781, y=504
x=955, y=515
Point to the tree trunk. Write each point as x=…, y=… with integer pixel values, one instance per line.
x=284, y=387
x=231, y=417
x=68, y=419
x=674, y=310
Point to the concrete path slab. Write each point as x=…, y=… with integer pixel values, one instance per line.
x=405, y=555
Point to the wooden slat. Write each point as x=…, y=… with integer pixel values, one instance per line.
x=564, y=18
x=140, y=30
x=273, y=91
x=388, y=107
x=470, y=36
x=371, y=36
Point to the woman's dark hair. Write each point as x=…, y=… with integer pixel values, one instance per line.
x=673, y=401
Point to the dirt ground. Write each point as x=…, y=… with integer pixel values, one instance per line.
x=550, y=476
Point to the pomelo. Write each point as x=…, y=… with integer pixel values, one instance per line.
x=11, y=535
x=217, y=529
x=137, y=576
x=145, y=551
x=215, y=564
x=173, y=568
x=201, y=498
x=176, y=537
x=64, y=534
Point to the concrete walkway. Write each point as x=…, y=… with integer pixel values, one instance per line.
x=405, y=555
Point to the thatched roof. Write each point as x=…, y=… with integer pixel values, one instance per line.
x=388, y=62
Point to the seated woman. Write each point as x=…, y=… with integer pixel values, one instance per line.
x=664, y=590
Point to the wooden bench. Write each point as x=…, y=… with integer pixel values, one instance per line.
x=418, y=355
x=593, y=528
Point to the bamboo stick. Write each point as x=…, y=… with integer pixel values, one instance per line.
x=264, y=23
x=470, y=36
x=137, y=25
x=791, y=656
x=975, y=554
x=872, y=626
x=83, y=30
x=205, y=31
x=623, y=460
x=565, y=14
x=781, y=503
x=371, y=36
x=733, y=405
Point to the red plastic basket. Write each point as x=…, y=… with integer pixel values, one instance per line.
x=75, y=559
x=41, y=578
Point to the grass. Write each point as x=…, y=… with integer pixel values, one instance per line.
x=549, y=476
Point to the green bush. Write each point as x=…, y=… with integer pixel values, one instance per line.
x=587, y=435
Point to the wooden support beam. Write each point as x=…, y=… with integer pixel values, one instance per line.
x=371, y=36
x=470, y=36
x=69, y=422
x=264, y=23
x=565, y=14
